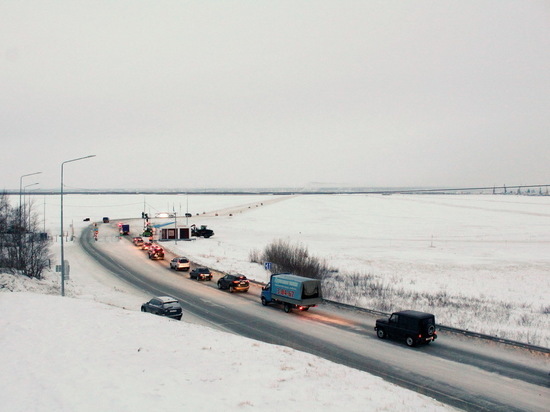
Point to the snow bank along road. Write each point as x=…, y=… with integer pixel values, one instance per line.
x=465, y=373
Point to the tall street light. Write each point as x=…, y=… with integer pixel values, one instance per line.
x=62, y=238
x=21, y=189
x=25, y=202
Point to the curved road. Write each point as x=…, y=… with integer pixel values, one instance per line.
x=464, y=373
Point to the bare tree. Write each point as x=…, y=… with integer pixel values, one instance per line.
x=295, y=258
x=22, y=248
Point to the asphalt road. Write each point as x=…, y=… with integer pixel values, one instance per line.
x=465, y=373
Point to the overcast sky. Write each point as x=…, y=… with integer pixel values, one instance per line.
x=191, y=94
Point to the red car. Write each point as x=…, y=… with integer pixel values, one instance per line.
x=156, y=252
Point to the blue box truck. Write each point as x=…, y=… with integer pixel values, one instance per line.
x=293, y=292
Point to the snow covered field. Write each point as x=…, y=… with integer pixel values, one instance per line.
x=479, y=262
x=94, y=351
x=67, y=354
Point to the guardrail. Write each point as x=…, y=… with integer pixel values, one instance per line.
x=452, y=330
x=440, y=327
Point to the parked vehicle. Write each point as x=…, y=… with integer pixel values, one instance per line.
x=180, y=263
x=201, y=274
x=86, y=219
x=105, y=220
x=292, y=292
x=164, y=306
x=234, y=283
x=188, y=215
x=137, y=241
x=202, y=231
x=412, y=326
x=124, y=229
x=156, y=252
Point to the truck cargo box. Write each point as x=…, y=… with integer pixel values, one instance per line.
x=293, y=291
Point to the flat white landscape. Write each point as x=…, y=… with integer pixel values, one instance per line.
x=479, y=262
x=92, y=350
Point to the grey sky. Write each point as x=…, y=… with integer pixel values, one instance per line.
x=177, y=94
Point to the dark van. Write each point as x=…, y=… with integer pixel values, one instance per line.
x=410, y=325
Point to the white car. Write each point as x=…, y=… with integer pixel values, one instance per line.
x=180, y=263
x=165, y=214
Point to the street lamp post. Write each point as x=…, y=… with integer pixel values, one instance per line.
x=62, y=231
x=21, y=189
x=175, y=226
x=25, y=202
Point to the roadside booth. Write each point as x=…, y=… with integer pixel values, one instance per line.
x=173, y=233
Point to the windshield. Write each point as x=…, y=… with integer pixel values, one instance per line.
x=171, y=305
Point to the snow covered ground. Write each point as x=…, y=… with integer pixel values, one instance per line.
x=94, y=351
x=479, y=262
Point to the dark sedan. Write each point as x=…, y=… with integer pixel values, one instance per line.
x=234, y=283
x=163, y=306
x=201, y=274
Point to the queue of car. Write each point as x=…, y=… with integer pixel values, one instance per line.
x=166, y=305
x=411, y=326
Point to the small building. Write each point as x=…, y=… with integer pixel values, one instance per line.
x=175, y=233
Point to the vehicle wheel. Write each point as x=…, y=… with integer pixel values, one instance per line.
x=178, y=318
x=264, y=302
x=287, y=308
x=143, y=309
x=231, y=289
x=409, y=341
x=219, y=285
x=431, y=330
x=380, y=333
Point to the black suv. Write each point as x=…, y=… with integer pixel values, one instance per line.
x=201, y=274
x=163, y=306
x=412, y=326
x=234, y=283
